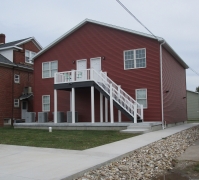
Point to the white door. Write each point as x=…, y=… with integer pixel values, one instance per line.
x=96, y=64
x=24, y=109
x=81, y=74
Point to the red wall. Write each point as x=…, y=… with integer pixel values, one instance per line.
x=174, y=81
x=91, y=41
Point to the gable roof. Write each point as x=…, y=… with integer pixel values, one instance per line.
x=159, y=39
x=16, y=44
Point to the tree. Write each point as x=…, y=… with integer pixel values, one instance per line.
x=197, y=89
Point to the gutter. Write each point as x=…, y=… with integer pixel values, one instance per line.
x=11, y=47
x=161, y=83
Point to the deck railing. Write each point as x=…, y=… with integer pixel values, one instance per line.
x=110, y=87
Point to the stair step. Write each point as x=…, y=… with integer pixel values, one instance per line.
x=139, y=127
x=135, y=131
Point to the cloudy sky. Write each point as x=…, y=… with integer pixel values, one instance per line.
x=176, y=21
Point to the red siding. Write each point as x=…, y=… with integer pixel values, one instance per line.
x=93, y=40
x=174, y=81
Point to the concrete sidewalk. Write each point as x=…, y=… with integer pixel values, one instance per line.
x=22, y=163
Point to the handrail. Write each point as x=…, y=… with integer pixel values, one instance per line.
x=118, y=94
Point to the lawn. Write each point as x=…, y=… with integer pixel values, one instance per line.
x=62, y=139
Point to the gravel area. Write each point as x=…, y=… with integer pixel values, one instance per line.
x=147, y=162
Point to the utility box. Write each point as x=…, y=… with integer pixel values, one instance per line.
x=60, y=116
x=69, y=116
x=42, y=117
x=30, y=117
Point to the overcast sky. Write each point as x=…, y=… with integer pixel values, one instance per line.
x=177, y=21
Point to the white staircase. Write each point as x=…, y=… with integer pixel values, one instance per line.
x=114, y=91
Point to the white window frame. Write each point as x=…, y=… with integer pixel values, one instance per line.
x=134, y=50
x=30, y=56
x=50, y=74
x=43, y=104
x=142, y=98
x=17, y=80
x=16, y=102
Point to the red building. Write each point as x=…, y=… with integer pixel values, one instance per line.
x=131, y=70
x=16, y=78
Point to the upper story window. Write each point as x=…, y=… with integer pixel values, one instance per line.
x=49, y=69
x=28, y=56
x=16, y=102
x=17, y=78
x=135, y=59
x=141, y=97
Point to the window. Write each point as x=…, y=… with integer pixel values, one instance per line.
x=46, y=103
x=16, y=102
x=135, y=59
x=49, y=69
x=16, y=78
x=28, y=56
x=141, y=97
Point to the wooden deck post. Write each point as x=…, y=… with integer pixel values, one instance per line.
x=73, y=105
x=92, y=105
x=55, y=106
x=101, y=107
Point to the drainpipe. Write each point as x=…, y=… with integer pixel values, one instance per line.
x=12, y=96
x=161, y=83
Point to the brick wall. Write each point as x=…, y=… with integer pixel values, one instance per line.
x=6, y=103
x=19, y=56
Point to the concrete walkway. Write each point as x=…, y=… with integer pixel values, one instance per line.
x=23, y=163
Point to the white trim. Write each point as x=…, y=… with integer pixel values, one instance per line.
x=101, y=107
x=73, y=105
x=55, y=105
x=31, y=39
x=134, y=50
x=43, y=103
x=30, y=57
x=106, y=109
x=92, y=105
x=50, y=75
x=146, y=96
x=17, y=80
x=11, y=47
x=16, y=102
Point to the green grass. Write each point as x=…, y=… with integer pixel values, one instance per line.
x=196, y=168
x=63, y=139
x=193, y=121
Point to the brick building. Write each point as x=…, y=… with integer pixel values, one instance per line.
x=16, y=78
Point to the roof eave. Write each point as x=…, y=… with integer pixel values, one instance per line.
x=174, y=54
x=95, y=22
x=31, y=39
x=11, y=47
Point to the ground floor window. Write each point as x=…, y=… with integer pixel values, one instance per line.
x=46, y=103
x=16, y=102
x=141, y=97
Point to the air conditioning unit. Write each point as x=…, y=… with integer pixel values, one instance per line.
x=69, y=116
x=29, y=90
x=60, y=116
x=42, y=117
x=30, y=117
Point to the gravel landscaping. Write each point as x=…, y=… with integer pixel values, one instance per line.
x=147, y=162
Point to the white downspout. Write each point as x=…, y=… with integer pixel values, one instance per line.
x=162, y=105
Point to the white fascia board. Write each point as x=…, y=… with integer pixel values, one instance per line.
x=30, y=39
x=174, y=54
x=10, y=47
x=94, y=22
